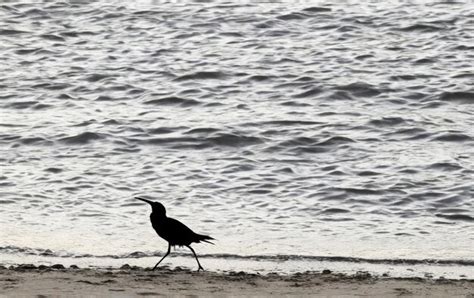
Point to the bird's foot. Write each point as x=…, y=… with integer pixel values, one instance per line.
x=200, y=268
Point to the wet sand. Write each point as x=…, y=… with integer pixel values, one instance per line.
x=45, y=281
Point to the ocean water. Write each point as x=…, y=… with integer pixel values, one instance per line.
x=308, y=131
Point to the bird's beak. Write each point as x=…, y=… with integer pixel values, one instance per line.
x=144, y=200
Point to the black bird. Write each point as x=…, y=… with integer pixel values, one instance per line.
x=173, y=231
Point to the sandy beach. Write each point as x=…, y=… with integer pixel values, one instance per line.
x=54, y=281
x=331, y=138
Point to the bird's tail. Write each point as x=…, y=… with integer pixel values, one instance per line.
x=204, y=238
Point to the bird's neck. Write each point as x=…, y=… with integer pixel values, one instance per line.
x=157, y=216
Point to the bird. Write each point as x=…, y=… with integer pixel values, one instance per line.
x=173, y=231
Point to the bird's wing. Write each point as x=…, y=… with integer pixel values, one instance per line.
x=178, y=227
x=179, y=234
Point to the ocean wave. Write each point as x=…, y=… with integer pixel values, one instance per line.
x=82, y=138
x=320, y=119
x=273, y=258
x=460, y=97
x=173, y=100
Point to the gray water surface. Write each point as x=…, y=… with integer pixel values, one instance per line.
x=309, y=129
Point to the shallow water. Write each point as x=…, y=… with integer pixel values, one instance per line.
x=305, y=129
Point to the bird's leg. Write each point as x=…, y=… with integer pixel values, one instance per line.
x=199, y=264
x=167, y=253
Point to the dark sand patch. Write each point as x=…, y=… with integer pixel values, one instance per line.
x=138, y=282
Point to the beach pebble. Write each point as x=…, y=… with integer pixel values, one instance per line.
x=274, y=274
x=26, y=267
x=240, y=273
x=362, y=275
x=74, y=267
x=58, y=266
x=327, y=271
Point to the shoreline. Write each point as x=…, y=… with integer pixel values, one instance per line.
x=397, y=268
x=132, y=281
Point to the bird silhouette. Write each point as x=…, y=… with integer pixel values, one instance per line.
x=173, y=231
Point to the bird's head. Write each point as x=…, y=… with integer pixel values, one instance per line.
x=156, y=207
